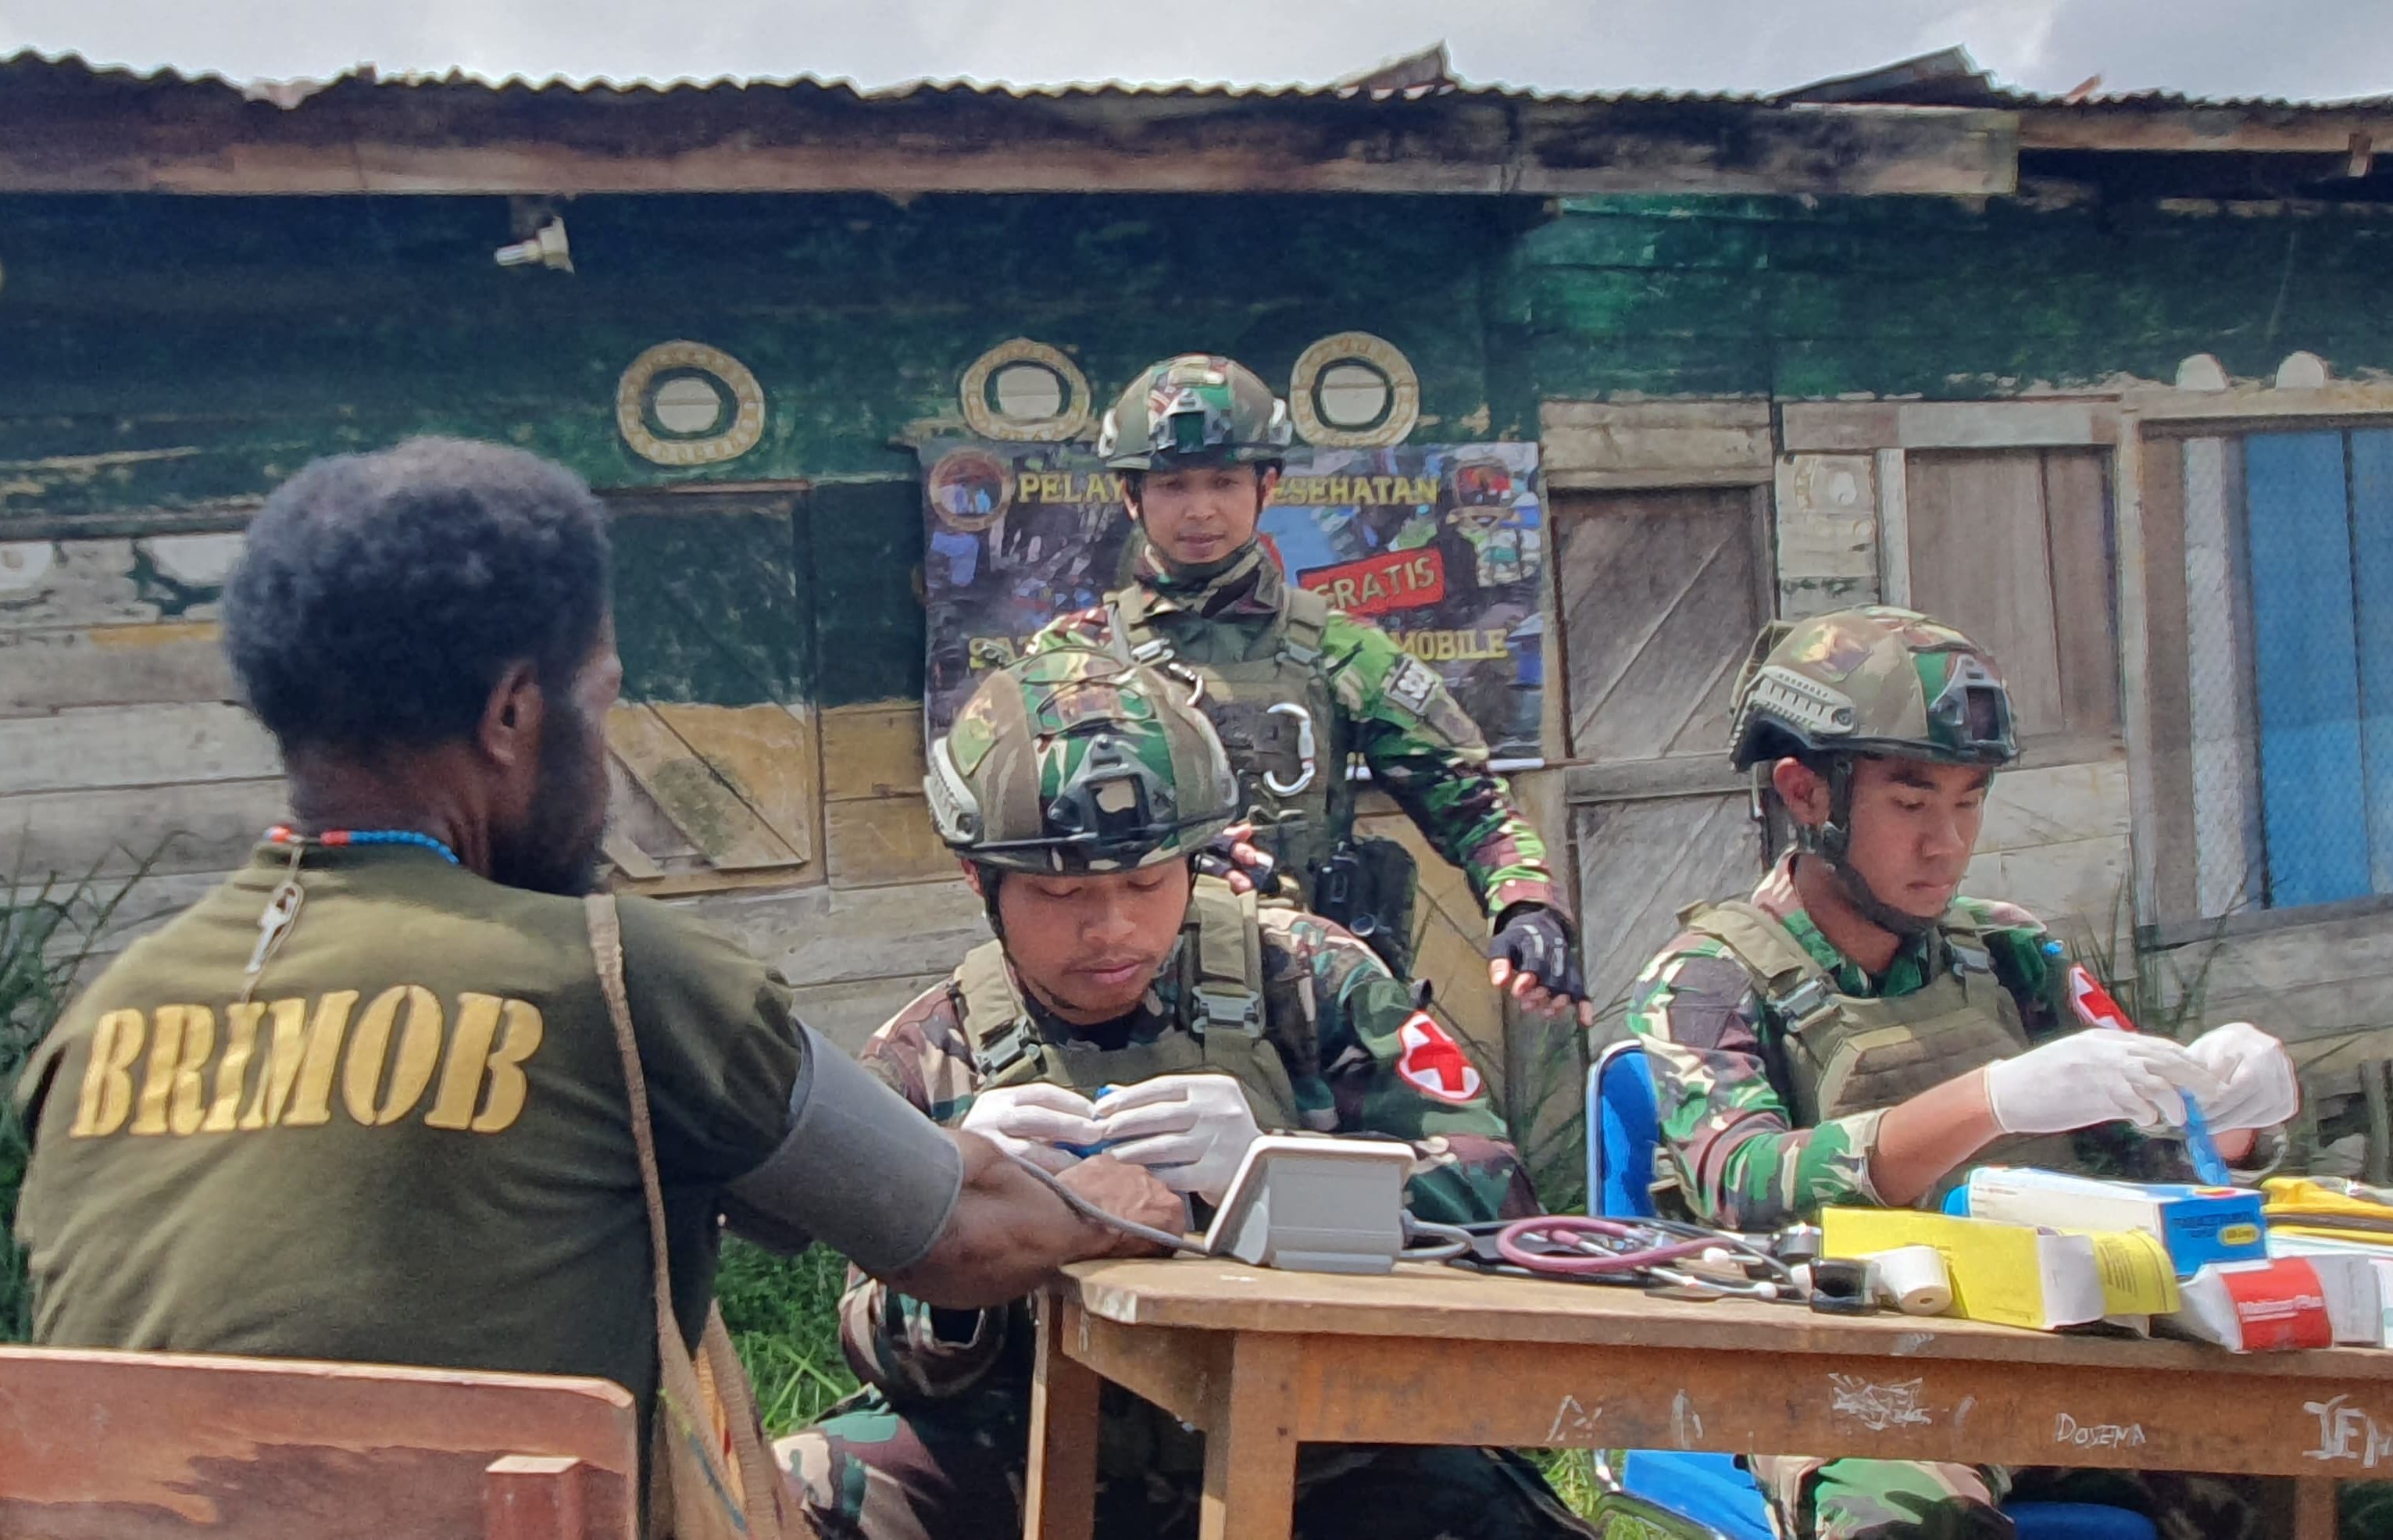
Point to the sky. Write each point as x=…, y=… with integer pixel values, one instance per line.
x=2302, y=48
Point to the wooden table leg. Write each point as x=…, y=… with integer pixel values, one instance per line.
x=2314, y=1507
x=1250, y=1443
x=1060, y=1500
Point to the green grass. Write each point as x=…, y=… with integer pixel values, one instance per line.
x=46, y=933
x=1571, y=1472
x=783, y=1315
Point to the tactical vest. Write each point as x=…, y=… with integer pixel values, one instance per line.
x=1838, y=1054
x=1221, y=1025
x=1247, y=683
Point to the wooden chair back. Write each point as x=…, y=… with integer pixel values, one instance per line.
x=156, y=1446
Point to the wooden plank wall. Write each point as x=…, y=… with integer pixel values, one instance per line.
x=894, y=914
x=120, y=748
x=120, y=745
x=2057, y=840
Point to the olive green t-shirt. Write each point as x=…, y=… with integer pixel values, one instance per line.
x=414, y=1146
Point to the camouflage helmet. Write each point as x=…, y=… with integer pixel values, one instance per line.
x=1195, y=408
x=1075, y=761
x=1874, y=680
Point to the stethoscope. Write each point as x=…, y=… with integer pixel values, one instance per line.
x=1683, y=1261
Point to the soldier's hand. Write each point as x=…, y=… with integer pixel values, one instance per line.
x=2095, y=1077
x=1532, y=959
x=1129, y=1192
x=1034, y=1121
x=1234, y=857
x=1190, y=1131
x=2261, y=1089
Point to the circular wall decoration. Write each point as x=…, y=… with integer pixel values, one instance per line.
x=1026, y=392
x=684, y=403
x=970, y=490
x=1353, y=391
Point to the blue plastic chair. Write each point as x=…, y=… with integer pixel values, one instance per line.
x=1711, y=1496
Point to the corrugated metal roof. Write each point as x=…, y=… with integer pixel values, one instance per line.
x=32, y=69
x=1948, y=77
x=2158, y=100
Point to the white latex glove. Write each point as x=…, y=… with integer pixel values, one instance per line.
x=1032, y=1120
x=2097, y=1076
x=1190, y=1129
x=2257, y=1073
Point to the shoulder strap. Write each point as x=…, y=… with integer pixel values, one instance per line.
x=996, y=1022
x=698, y=1420
x=1127, y=613
x=1791, y=981
x=1229, y=958
x=1966, y=940
x=1304, y=616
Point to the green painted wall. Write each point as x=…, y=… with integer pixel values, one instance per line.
x=240, y=337
x=1933, y=297
x=161, y=352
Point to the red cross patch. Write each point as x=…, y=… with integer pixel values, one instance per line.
x=1433, y=1063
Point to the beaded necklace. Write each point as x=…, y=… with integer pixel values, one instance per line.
x=282, y=834
x=283, y=904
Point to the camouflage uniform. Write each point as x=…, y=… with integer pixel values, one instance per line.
x=1730, y=1082
x=935, y=1446
x=1735, y=1155
x=1390, y=708
x=1070, y=761
x=1275, y=657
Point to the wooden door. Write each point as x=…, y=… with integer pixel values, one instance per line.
x=1661, y=593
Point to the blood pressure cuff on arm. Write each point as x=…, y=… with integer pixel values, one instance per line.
x=860, y=1170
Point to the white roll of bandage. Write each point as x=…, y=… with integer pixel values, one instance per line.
x=1911, y=1279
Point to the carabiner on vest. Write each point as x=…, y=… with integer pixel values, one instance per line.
x=1304, y=751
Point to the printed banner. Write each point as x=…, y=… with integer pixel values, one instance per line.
x=1442, y=546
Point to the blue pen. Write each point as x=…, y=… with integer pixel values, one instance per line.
x=1085, y=1151
x=2207, y=1165
x=2095, y=1008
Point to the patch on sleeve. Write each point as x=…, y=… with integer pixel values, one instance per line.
x=1433, y=1064
x=1412, y=685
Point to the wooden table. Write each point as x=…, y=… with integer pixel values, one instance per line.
x=1263, y=1361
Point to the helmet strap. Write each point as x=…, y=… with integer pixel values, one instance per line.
x=1832, y=843
x=1223, y=573
x=990, y=876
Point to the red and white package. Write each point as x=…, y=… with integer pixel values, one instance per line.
x=2276, y=1306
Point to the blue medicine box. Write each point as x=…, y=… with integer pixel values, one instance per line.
x=2198, y=1225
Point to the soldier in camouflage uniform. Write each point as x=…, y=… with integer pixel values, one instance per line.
x=1297, y=690
x=1077, y=789
x=1858, y=1034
